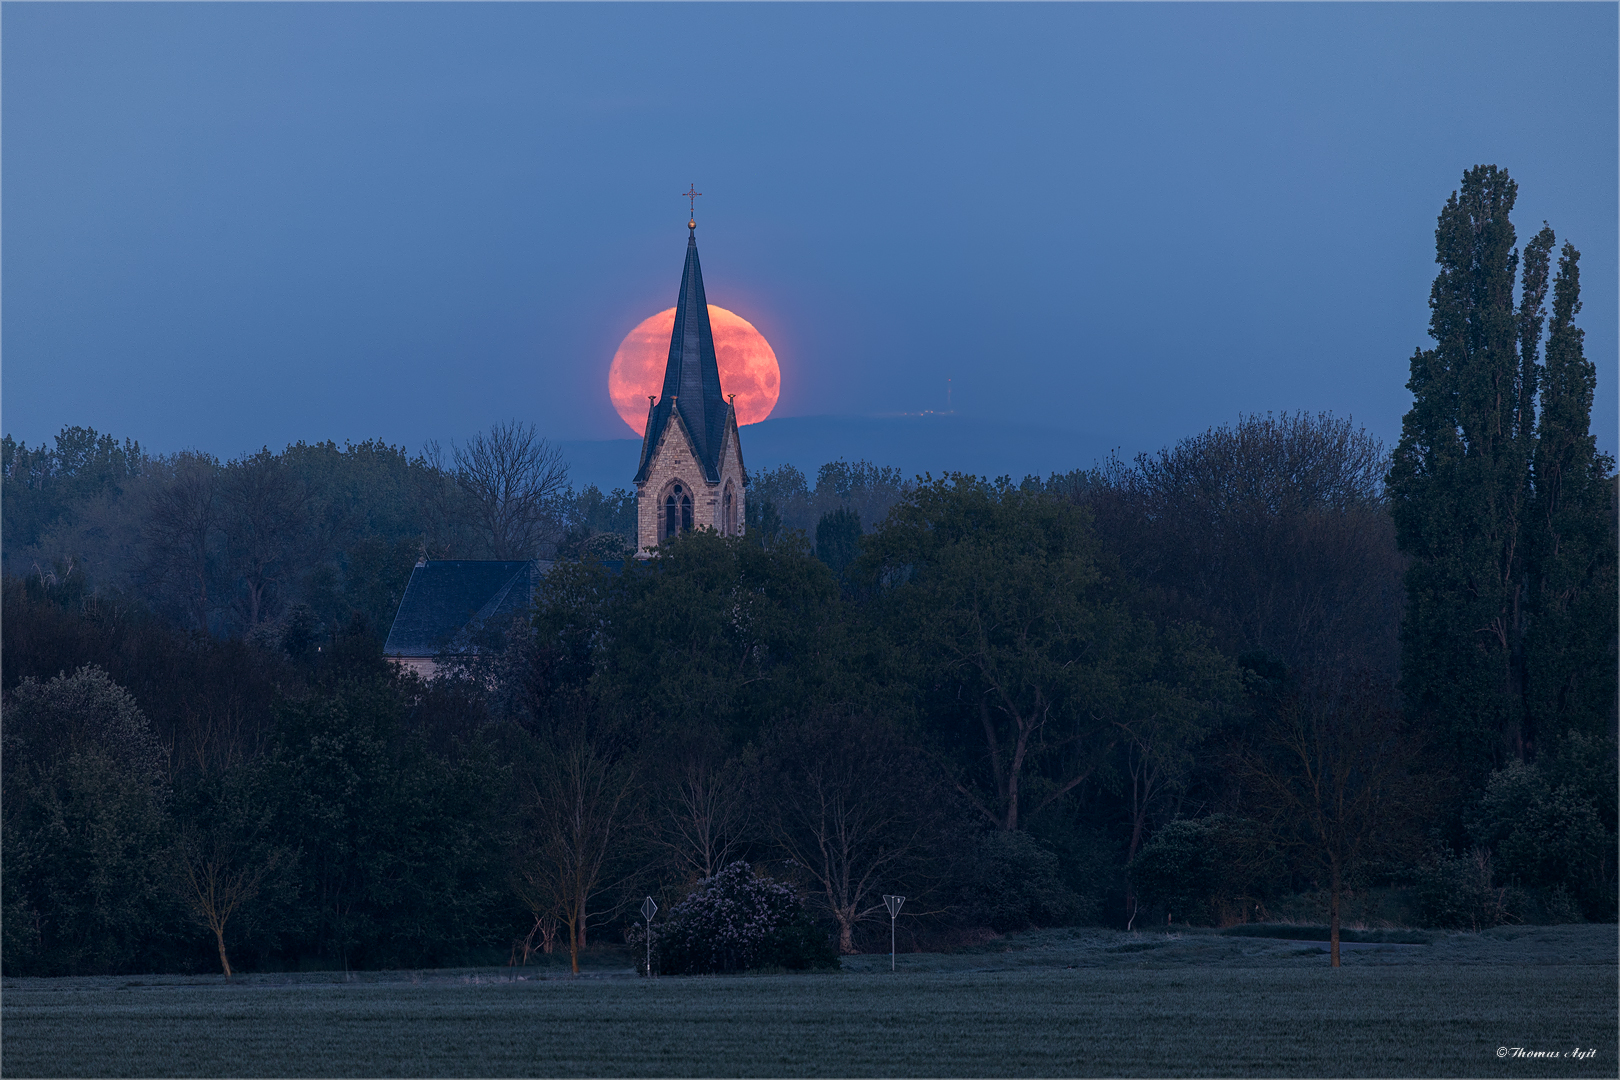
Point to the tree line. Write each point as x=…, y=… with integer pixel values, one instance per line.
x=1257, y=674
x=317, y=535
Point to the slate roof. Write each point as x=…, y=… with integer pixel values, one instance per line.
x=448, y=600
x=691, y=377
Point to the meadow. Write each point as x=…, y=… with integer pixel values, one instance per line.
x=1082, y=1002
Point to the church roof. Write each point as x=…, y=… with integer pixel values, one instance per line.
x=448, y=601
x=691, y=378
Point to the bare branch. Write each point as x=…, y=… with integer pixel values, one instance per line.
x=513, y=481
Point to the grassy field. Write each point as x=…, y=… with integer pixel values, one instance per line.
x=1054, y=1003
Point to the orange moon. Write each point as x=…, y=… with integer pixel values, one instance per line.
x=748, y=366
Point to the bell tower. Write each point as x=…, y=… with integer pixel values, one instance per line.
x=691, y=474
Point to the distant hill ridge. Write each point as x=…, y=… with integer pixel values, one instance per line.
x=932, y=443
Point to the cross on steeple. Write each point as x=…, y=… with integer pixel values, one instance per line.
x=691, y=194
x=691, y=473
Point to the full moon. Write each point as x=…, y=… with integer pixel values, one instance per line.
x=747, y=366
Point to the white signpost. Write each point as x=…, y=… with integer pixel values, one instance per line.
x=893, y=904
x=649, y=908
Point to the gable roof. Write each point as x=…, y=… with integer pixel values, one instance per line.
x=448, y=600
x=691, y=378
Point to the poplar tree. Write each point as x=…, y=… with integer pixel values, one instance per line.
x=1571, y=635
x=1503, y=521
x=1459, y=481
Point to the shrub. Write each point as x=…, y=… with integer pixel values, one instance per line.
x=1014, y=883
x=1460, y=893
x=1202, y=870
x=738, y=921
x=1552, y=824
x=1545, y=907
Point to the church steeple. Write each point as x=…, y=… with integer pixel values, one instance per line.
x=691, y=376
x=691, y=474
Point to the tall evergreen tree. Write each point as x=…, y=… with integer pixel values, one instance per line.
x=1571, y=542
x=1508, y=526
x=1459, y=483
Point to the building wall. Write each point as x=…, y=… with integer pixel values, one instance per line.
x=731, y=469
x=425, y=666
x=673, y=459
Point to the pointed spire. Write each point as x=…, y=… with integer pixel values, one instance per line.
x=692, y=374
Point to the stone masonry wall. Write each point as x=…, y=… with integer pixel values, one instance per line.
x=731, y=468
x=672, y=460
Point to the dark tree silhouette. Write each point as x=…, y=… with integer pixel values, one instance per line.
x=180, y=528
x=513, y=481
x=1333, y=776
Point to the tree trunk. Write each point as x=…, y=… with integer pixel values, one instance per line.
x=1333, y=919
x=846, y=939
x=575, y=932
x=1138, y=827
x=1013, y=772
x=219, y=936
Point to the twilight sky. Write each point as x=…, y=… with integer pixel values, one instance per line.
x=233, y=225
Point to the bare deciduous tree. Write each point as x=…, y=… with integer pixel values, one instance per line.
x=1333, y=777
x=219, y=879
x=577, y=799
x=704, y=819
x=512, y=480
x=223, y=856
x=853, y=807
x=524, y=947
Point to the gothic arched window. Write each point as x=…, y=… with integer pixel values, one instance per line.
x=686, y=513
x=728, y=521
x=672, y=512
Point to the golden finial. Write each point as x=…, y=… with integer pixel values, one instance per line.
x=691, y=194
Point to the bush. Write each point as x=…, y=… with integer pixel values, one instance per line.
x=1460, y=893
x=738, y=921
x=1015, y=883
x=1545, y=907
x=1551, y=825
x=1204, y=871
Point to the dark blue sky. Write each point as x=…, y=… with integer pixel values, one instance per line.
x=234, y=225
